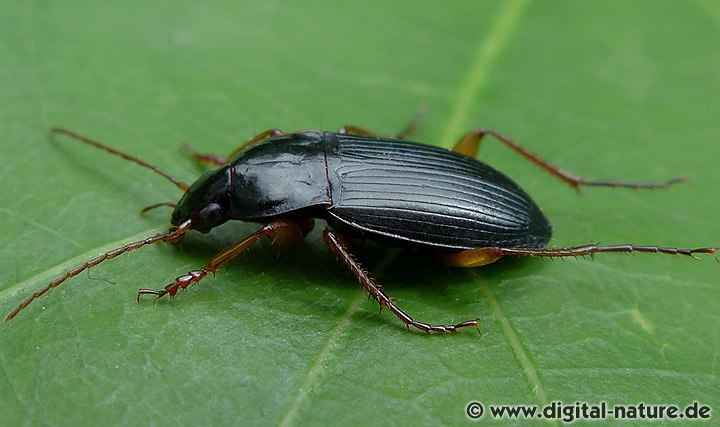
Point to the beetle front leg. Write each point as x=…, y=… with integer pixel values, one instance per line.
x=283, y=232
x=469, y=145
x=341, y=247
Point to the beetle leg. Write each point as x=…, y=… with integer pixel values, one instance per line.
x=414, y=123
x=220, y=160
x=270, y=133
x=593, y=249
x=205, y=158
x=469, y=145
x=341, y=247
x=402, y=135
x=482, y=256
x=470, y=258
x=356, y=130
x=282, y=231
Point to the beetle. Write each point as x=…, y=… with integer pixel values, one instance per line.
x=386, y=189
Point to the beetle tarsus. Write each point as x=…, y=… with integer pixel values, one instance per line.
x=626, y=184
x=158, y=293
x=179, y=284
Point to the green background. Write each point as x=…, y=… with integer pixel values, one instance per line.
x=607, y=90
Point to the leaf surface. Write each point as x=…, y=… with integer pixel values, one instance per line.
x=627, y=92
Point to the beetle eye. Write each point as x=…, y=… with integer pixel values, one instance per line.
x=210, y=216
x=211, y=213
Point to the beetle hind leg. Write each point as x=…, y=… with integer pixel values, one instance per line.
x=341, y=247
x=469, y=145
x=482, y=256
x=470, y=258
x=592, y=249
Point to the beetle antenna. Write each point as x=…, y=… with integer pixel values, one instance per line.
x=97, y=144
x=171, y=236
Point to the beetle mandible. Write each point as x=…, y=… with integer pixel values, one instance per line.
x=386, y=189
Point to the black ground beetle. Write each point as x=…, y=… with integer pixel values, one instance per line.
x=362, y=185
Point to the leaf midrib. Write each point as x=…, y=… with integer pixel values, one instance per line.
x=487, y=53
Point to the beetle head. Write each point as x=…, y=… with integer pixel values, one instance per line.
x=206, y=203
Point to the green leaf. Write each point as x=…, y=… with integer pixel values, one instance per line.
x=625, y=91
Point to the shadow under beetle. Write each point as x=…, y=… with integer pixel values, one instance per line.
x=362, y=185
